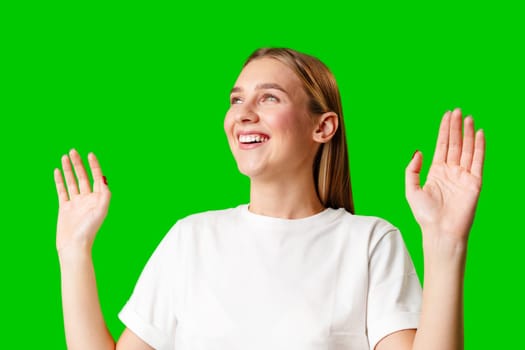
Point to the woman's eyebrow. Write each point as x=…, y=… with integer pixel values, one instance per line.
x=262, y=86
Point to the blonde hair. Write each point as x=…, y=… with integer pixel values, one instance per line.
x=331, y=168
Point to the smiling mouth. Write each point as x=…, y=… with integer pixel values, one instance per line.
x=254, y=138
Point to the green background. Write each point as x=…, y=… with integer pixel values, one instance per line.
x=145, y=87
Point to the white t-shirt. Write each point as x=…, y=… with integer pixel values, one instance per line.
x=235, y=280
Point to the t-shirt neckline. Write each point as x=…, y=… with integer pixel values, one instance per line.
x=321, y=216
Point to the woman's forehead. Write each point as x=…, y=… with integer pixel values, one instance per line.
x=267, y=71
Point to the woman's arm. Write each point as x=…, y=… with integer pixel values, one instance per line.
x=81, y=213
x=444, y=208
x=84, y=324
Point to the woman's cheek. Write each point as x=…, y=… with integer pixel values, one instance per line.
x=228, y=123
x=285, y=121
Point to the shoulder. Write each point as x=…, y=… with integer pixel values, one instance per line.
x=367, y=221
x=190, y=228
x=369, y=230
x=209, y=217
x=373, y=225
x=199, y=221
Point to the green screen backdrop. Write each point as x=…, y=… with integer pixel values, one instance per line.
x=145, y=86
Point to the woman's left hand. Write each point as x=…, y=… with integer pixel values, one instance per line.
x=445, y=206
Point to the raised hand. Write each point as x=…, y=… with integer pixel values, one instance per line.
x=81, y=209
x=445, y=206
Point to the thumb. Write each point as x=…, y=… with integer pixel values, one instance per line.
x=412, y=182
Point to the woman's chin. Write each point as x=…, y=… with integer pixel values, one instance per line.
x=250, y=172
x=253, y=170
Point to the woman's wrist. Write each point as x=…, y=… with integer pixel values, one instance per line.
x=74, y=253
x=445, y=248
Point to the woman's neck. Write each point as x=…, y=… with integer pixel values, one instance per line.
x=286, y=198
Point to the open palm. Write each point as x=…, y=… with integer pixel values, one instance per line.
x=81, y=210
x=447, y=202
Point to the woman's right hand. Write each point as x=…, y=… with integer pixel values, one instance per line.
x=81, y=209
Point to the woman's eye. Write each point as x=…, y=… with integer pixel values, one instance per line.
x=270, y=98
x=235, y=100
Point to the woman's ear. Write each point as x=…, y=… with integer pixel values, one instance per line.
x=326, y=127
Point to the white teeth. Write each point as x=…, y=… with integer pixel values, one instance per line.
x=252, y=138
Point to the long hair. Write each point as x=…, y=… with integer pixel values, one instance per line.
x=331, y=168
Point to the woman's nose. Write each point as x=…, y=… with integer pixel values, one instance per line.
x=246, y=114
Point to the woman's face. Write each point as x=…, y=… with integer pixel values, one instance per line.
x=268, y=125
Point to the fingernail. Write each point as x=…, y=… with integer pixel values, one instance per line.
x=105, y=180
x=415, y=153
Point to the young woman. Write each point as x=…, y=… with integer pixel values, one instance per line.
x=294, y=269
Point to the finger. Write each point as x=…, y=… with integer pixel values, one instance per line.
x=71, y=181
x=61, y=189
x=99, y=181
x=80, y=171
x=412, y=180
x=455, y=140
x=440, y=155
x=467, y=150
x=479, y=154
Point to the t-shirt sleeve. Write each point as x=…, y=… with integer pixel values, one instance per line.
x=150, y=312
x=394, y=291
